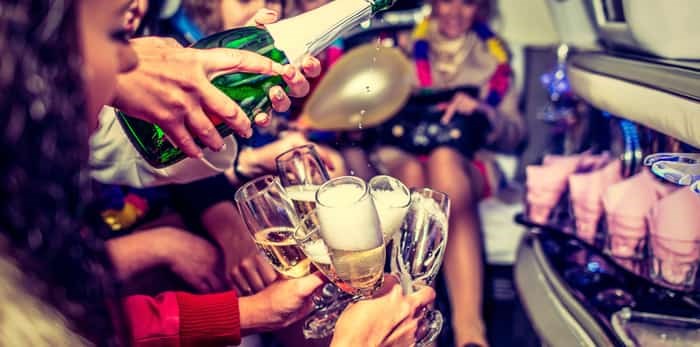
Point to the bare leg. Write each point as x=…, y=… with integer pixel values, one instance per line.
x=402, y=165
x=463, y=257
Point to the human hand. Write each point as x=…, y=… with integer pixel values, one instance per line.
x=252, y=273
x=389, y=319
x=192, y=258
x=171, y=87
x=310, y=65
x=460, y=103
x=262, y=159
x=248, y=271
x=279, y=305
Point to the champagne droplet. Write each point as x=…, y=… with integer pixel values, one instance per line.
x=362, y=115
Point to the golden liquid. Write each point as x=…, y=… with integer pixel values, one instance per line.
x=361, y=271
x=328, y=271
x=282, y=251
x=303, y=197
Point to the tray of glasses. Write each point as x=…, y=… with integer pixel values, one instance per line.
x=637, y=269
x=603, y=286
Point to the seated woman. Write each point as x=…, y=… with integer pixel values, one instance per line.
x=455, y=48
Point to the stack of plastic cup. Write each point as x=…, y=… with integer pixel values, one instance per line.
x=546, y=183
x=626, y=205
x=586, y=193
x=674, y=239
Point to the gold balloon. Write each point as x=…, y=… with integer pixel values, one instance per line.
x=364, y=88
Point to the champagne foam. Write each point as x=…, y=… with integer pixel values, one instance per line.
x=317, y=251
x=430, y=208
x=341, y=195
x=392, y=206
x=346, y=223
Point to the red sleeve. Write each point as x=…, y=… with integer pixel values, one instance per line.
x=176, y=319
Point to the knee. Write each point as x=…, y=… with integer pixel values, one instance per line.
x=447, y=171
x=444, y=156
x=411, y=173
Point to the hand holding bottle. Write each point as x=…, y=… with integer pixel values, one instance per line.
x=171, y=87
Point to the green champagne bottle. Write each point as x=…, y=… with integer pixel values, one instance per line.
x=287, y=41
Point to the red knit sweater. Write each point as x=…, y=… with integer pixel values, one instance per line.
x=176, y=319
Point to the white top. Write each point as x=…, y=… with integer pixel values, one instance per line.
x=114, y=160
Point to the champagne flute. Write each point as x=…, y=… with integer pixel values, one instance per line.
x=308, y=237
x=419, y=250
x=350, y=227
x=271, y=220
x=301, y=172
x=391, y=198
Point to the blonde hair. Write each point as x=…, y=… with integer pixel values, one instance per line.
x=487, y=9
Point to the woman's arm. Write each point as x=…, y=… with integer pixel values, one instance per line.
x=507, y=124
x=182, y=319
x=190, y=257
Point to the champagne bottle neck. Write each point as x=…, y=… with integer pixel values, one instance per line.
x=311, y=32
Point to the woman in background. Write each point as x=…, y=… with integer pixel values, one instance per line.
x=454, y=48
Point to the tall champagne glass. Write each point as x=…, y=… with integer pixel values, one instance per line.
x=391, y=198
x=301, y=172
x=271, y=220
x=308, y=237
x=350, y=227
x=419, y=250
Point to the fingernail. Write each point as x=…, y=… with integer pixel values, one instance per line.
x=270, y=13
x=200, y=155
x=223, y=147
x=261, y=118
x=249, y=133
x=279, y=94
x=289, y=71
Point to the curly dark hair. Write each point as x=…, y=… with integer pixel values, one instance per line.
x=44, y=183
